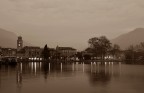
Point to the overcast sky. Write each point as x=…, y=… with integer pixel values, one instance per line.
x=70, y=22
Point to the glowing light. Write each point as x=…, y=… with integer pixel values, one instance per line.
x=35, y=67
x=21, y=67
x=73, y=67
x=61, y=67
x=40, y=58
x=32, y=66
x=105, y=63
x=49, y=67
x=83, y=67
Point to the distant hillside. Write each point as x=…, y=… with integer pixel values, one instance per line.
x=132, y=38
x=8, y=39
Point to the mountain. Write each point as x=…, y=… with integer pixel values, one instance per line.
x=132, y=38
x=8, y=39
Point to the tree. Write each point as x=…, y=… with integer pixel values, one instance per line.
x=87, y=57
x=115, y=51
x=135, y=54
x=100, y=46
x=79, y=55
x=105, y=46
x=94, y=46
x=130, y=54
x=46, y=53
x=142, y=45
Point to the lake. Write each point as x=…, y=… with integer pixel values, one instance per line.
x=37, y=77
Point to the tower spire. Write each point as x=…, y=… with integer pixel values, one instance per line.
x=19, y=43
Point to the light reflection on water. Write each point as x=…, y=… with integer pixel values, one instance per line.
x=77, y=77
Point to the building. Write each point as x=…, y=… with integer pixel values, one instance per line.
x=19, y=43
x=0, y=53
x=27, y=51
x=66, y=51
x=30, y=52
x=52, y=51
x=8, y=52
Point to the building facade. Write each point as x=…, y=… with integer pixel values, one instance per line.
x=66, y=51
x=8, y=52
x=30, y=52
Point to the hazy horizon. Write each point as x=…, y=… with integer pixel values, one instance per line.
x=70, y=22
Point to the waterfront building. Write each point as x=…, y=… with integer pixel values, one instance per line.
x=8, y=52
x=30, y=52
x=27, y=52
x=52, y=51
x=66, y=51
x=35, y=53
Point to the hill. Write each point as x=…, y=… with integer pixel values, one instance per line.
x=132, y=38
x=8, y=39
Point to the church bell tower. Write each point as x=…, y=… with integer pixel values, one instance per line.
x=19, y=43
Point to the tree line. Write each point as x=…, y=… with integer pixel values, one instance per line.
x=135, y=54
x=100, y=48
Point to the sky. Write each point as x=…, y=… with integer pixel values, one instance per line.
x=70, y=22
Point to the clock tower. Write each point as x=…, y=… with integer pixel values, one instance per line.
x=19, y=43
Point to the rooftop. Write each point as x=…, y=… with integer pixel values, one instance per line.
x=65, y=48
x=31, y=47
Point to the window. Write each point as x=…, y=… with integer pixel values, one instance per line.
x=19, y=45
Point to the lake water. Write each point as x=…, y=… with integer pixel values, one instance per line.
x=72, y=78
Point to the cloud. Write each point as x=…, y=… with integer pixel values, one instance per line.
x=92, y=11
x=84, y=18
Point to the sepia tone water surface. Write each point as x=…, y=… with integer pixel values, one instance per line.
x=72, y=78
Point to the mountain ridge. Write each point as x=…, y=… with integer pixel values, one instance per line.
x=8, y=39
x=131, y=38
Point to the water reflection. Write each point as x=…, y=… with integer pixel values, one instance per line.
x=61, y=67
x=101, y=73
x=19, y=79
x=0, y=77
x=98, y=73
x=35, y=68
x=83, y=67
